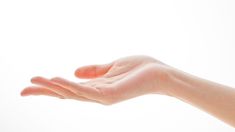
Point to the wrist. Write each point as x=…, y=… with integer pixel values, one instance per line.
x=179, y=83
x=169, y=80
x=163, y=79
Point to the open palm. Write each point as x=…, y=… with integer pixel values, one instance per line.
x=109, y=83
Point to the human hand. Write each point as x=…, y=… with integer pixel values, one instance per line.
x=110, y=83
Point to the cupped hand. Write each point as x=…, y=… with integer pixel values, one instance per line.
x=110, y=83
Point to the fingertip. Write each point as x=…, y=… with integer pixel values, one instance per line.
x=23, y=93
x=33, y=79
x=27, y=91
x=78, y=73
x=86, y=72
x=92, y=71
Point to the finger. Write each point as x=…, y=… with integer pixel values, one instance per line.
x=53, y=87
x=33, y=90
x=92, y=71
x=88, y=92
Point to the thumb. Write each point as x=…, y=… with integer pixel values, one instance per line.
x=92, y=71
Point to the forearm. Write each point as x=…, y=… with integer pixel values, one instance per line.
x=216, y=99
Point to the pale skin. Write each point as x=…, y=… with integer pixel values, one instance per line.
x=134, y=76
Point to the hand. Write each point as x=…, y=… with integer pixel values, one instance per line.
x=134, y=76
x=110, y=83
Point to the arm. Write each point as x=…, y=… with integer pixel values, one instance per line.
x=214, y=98
x=134, y=76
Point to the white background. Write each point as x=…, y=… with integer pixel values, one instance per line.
x=54, y=37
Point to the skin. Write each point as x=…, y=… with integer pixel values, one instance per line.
x=134, y=76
